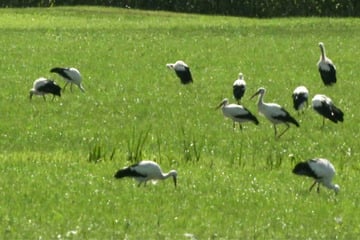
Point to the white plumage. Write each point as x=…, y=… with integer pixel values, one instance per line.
x=274, y=113
x=324, y=106
x=300, y=98
x=326, y=67
x=43, y=86
x=182, y=70
x=237, y=113
x=239, y=87
x=70, y=75
x=144, y=171
x=319, y=169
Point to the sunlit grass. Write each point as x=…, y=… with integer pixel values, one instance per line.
x=58, y=157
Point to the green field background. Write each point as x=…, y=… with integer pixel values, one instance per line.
x=58, y=157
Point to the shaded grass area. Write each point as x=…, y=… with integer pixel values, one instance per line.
x=232, y=183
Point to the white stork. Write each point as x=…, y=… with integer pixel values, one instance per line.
x=274, y=113
x=70, y=75
x=237, y=113
x=324, y=106
x=182, y=71
x=319, y=169
x=144, y=171
x=43, y=86
x=326, y=67
x=300, y=97
x=239, y=87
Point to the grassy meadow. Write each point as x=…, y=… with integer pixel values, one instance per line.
x=58, y=157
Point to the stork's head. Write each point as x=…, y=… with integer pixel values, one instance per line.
x=170, y=65
x=260, y=91
x=56, y=89
x=32, y=91
x=224, y=102
x=336, y=188
x=241, y=76
x=322, y=48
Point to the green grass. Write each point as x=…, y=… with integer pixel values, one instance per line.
x=58, y=157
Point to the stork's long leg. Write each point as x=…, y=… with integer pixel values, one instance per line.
x=287, y=127
x=275, y=130
x=44, y=97
x=65, y=86
x=312, y=186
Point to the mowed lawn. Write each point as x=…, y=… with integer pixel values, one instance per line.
x=232, y=184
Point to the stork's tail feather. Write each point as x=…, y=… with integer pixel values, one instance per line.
x=293, y=121
x=56, y=70
x=303, y=168
x=254, y=119
x=126, y=172
x=338, y=114
x=297, y=103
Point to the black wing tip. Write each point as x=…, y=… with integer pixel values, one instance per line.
x=56, y=69
x=125, y=172
x=255, y=120
x=304, y=169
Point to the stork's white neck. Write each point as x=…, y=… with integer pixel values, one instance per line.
x=172, y=173
x=332, y=186
x=261, y=99
x=323, y=55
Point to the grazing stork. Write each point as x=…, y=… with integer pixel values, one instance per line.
x=300, y=97
x=239, y=87
x=182, y=71
x=326, y=67
x=70, y=75
x=43, y=86
x=274, y=112
x=144, y=171
x=237, y=113
x=319, y=169
x=324, y=106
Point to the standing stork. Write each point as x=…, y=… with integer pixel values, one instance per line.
x=43, y=86
x=182, y=71
x=144, y=171
x=70, y=75
x=319, y=169
x=239, y=87
x=237, y=113
x=274, y=112
x=300, y=97
x=326, y=67
x=324, y=106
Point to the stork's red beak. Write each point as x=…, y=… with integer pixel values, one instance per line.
x=255, y=94
x=174, y=178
